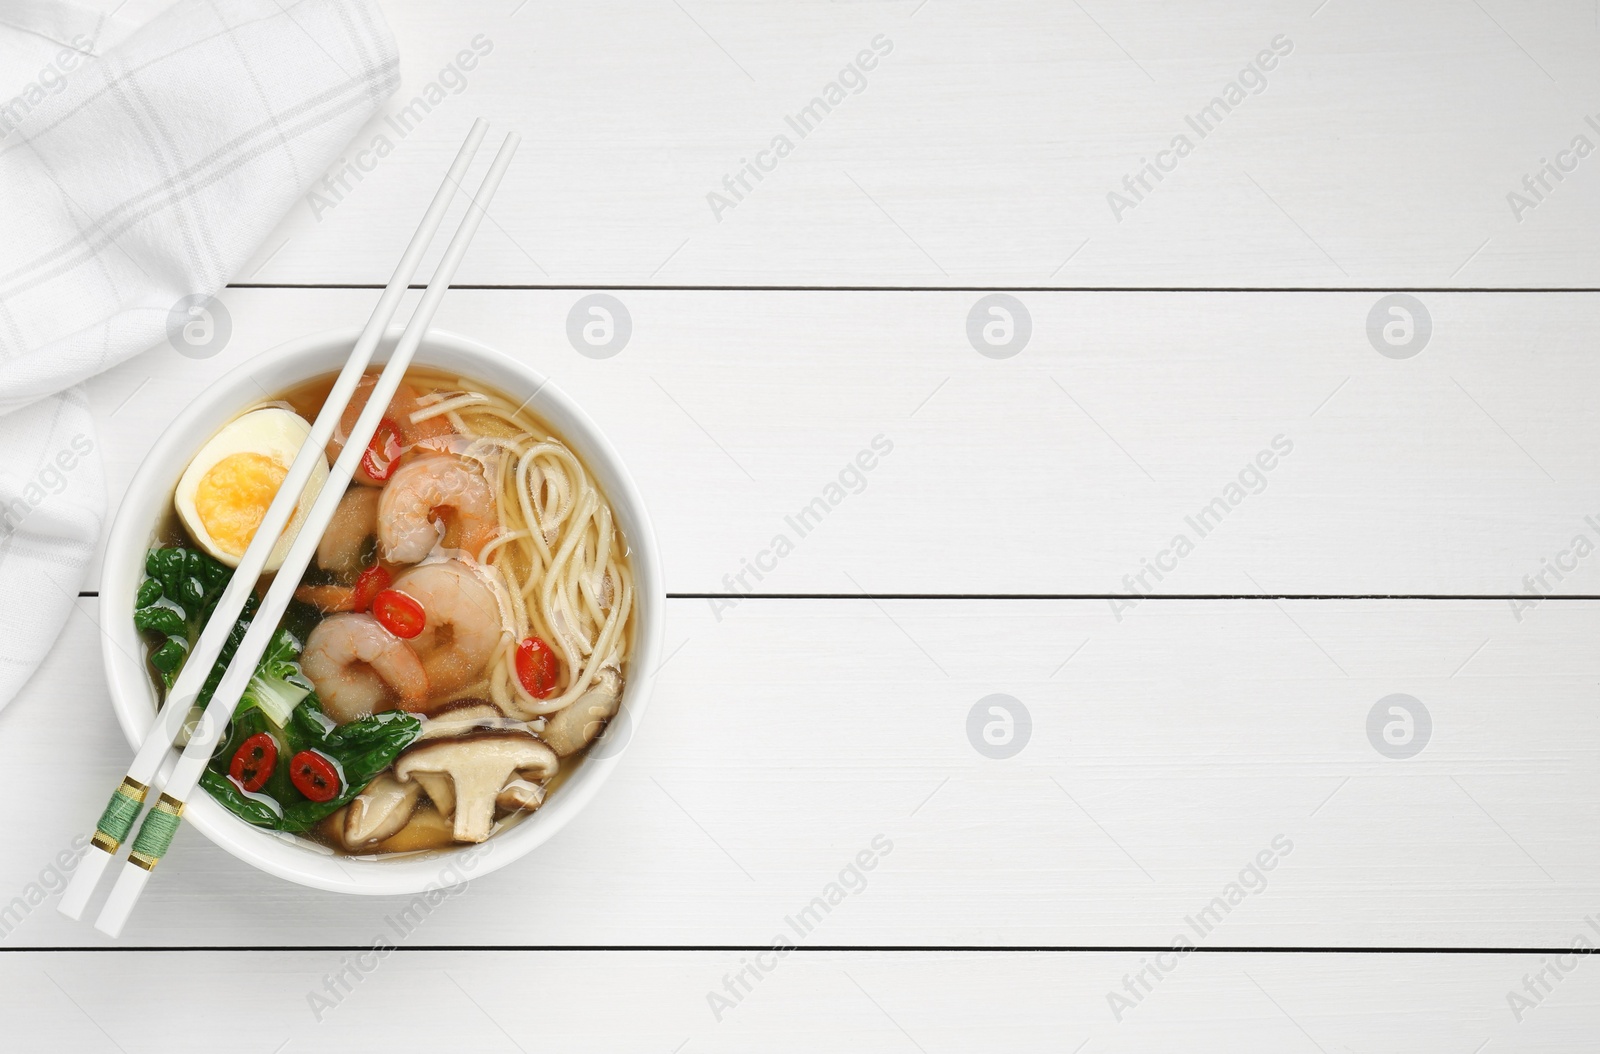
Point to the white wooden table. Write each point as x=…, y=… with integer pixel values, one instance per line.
x=1160, y=749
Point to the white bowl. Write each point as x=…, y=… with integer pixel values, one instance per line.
x=134, y=699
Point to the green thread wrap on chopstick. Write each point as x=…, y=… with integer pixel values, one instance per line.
x=121, y=812
x=118, y=818
x=155, y=834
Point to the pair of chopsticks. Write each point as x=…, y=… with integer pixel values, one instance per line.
x=143, y=777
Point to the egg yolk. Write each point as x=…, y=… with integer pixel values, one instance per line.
x=233, y=495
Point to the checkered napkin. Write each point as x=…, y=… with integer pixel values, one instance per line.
x=132, y=178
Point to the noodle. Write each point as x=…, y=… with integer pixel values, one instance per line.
x=437, y=403
x=563, y=575
x=471, y=532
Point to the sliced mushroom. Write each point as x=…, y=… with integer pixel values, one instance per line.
x=520, y=795
x=517, y=794
x=379, y=811
x=569, y=731
x=331, y=826
x=468, y=704
x=460, y=716
x=478, y=765
x=438, y=788
x=456, y=718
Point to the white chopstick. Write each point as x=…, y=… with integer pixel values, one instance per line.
x=162, y=820
x=117, y=821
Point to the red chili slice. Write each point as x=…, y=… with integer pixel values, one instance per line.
x=314, y=776
x=398, y=613
x=383, y=453
x=373, y=581
x=254, y=761
x=537, y=667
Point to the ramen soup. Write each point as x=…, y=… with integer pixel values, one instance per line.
x=459, y=639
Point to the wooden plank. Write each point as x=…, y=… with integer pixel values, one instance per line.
x=1173, y=745
x=1164, y=755
x=1375, y=148
x=806, y=1001
x=1061, y=470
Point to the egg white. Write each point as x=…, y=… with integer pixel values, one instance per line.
x=272, y=431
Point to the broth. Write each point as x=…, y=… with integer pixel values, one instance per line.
x=455, y=646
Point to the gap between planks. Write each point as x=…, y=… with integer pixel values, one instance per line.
x=945, y=288
x=905, y=949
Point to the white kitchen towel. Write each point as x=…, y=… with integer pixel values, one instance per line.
x=132, y=184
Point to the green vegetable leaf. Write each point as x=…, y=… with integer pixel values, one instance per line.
x=253, y=810
x=362, y=749
x=174, y=601
x=149, y=593
x=225, y=656
x=168, y=659
x=158, y=619
x=277, y=686
x=173, y=604
x=190, y=581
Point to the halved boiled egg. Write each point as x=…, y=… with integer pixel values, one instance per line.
x=225, y=491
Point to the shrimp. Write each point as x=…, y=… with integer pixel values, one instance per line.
x=433, y=499
x=353, y=523
x=339, y=551
x=401, y=407
x=327, y=598
x=359, y=668
x=463, y=628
